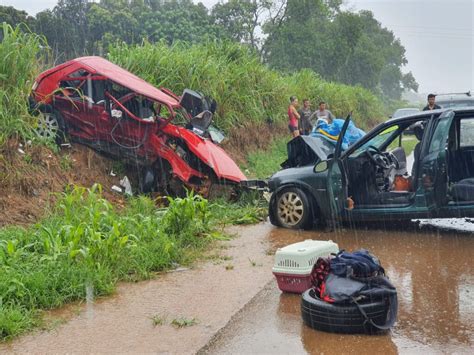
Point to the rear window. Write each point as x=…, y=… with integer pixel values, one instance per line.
x=467, y=132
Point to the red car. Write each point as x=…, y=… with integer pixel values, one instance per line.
x=167, y=137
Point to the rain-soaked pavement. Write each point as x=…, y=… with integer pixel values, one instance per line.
x=430, y=263
x=432, y=269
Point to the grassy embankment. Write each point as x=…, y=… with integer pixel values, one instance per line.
x=84, y=243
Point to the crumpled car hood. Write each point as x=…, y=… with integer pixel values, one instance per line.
x=307, y=150
x=213, y=155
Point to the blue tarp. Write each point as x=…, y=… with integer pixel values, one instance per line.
x=331, y=132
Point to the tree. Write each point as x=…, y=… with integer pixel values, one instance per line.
x=351, y=48
x=14, y=17
x=241, y=19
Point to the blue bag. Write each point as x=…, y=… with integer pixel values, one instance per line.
x=359, y=264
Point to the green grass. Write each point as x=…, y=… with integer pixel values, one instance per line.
x=86, y=243
x=183, y=322
x=262, y=164
x=19, y=64
x=250, y=208
x=247, y=91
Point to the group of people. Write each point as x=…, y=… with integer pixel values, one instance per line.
x=303, y=120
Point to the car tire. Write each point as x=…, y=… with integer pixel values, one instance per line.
x=328, y=317
x=271, y=212
x=292, y=209
x=51, y=126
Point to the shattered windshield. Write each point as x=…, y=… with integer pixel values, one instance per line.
x=378, y=140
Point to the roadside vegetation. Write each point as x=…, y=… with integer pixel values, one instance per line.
x=263, y=163
x=85, y=246
x=248, y=93
x=19, y=65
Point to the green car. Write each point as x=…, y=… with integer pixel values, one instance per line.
x=390, y=174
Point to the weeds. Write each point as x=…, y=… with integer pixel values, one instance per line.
x=229, y=267
x=250, y=208
x=65, y=162
x=184, y=322
x=19, y=65
x=85, y=243
x=262, y=164
x=158, y=320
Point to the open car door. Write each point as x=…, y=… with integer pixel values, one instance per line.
x=337, y=179
x=434, y=164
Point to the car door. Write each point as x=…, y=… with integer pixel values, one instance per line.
x=75, y=104
x=337, y=179
x=434, y=164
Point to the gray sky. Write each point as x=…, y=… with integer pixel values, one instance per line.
x=438, y=36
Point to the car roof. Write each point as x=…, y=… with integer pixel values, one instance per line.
x=101, y=66
x=408, y=109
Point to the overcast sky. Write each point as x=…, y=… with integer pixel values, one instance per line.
x=438, y=36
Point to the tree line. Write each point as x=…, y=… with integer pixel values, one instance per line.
x=288, y=35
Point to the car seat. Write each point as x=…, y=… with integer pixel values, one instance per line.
x=463, y=190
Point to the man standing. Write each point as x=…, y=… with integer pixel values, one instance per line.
x=431, y=103
x=305, y=124
x=323, y=113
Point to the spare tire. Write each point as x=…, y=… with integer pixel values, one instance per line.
x=345, y=318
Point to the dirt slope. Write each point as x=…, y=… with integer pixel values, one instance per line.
x=31, y=176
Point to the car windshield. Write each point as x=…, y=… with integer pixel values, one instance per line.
x=378, y=140
x=456, y=103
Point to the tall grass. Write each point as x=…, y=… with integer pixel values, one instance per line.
x=86, y=243
x=245, y=89
x=19, y=64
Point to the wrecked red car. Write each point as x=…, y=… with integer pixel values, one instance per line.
x=165, y=136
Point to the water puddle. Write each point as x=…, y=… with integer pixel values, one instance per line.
x=431, y=268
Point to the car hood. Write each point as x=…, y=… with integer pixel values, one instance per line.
x=212, y=155
x=307, y=150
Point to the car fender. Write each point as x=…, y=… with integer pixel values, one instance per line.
x=315, y=199
x=208, y=152
x=179, y=166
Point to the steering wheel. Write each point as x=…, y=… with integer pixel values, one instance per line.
x=377, y=157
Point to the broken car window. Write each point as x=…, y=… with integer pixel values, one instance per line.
x=467, y=132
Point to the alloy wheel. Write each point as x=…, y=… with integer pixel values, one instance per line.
x=48, y=125
x=290, y=208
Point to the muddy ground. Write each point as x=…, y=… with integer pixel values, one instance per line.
x=232, y=304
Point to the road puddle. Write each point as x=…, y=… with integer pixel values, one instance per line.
x=432, y=269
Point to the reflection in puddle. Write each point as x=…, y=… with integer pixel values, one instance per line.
x=434, y=275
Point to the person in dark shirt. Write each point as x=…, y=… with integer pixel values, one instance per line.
x=305, y=112
x=431, y=103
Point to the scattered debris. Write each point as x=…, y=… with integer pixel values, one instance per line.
x=66, y=145
x=267, y=196
x=112, y=173
x=21, y=151
x=116, y=188
x=125, y=183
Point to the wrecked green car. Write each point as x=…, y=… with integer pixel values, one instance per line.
x=390, y=174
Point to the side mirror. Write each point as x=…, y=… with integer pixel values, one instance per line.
x=321, y=166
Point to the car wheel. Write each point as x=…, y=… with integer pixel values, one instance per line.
x=51, y=126
x=272, y=212
x=346, y=318
x=292, y=209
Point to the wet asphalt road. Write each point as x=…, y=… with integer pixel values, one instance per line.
x=430, y=263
